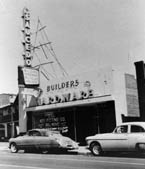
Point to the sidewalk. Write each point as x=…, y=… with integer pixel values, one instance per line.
x=82, y=150
x=4, y=145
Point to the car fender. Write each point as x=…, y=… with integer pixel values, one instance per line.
x=94, y=141
x=141, y=139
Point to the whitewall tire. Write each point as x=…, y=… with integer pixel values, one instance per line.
x=96, y=149
x=13, y=148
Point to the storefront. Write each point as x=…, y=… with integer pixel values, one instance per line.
x=81, y=105
x=76, y=122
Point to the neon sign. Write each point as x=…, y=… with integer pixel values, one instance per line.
x=27, y=38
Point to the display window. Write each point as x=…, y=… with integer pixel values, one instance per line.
x=51, y=120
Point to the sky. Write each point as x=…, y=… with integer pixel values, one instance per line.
x=85, y=34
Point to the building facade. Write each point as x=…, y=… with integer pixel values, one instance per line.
x=140, y=75
x=81, y=105
x=8, y=116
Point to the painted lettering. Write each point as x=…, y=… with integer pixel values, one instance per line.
x=84, y=95
x=28, y=62
x=67, y=97
x=27, y=38
x=63, y=85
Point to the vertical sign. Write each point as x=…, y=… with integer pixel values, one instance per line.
x=27, y=38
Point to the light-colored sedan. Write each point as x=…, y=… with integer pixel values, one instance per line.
x=42, y=140
x=125, y=137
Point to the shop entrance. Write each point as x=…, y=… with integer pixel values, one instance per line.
x=90, y=120
x=76, y=122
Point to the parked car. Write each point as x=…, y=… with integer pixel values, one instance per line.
x=41, y=139
x=125, y=137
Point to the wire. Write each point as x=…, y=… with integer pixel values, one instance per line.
x=46, y=73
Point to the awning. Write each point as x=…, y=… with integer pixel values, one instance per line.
x=70, y=104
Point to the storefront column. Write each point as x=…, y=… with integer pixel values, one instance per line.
x=22, y=110
x=6, y=130
x=97, y=119
x=75, y=130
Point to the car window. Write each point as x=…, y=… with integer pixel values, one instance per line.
x=52, y=133
x=136, y=129
x=34, y=133
x=121, y=129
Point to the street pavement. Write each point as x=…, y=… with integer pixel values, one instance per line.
x=4, y=145
x=70, y=160
x=82, y=149
x=67, y=161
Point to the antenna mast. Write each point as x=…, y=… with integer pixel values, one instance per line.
x=45, y=48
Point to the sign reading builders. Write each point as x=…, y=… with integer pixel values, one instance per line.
x=28, y=77
x=85, y=86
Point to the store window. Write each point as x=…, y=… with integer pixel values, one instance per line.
x=51, y=120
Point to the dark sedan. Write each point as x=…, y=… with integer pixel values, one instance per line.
x=41, y=139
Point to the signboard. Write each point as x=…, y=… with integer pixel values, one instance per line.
x=27, y=38
x=28, y=76
x=84, y=86
x=131, y=95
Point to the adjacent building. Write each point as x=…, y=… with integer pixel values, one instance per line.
x=140, y=75
x=8, y=116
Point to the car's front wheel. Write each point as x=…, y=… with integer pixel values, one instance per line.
x=13, y=148
x=96, y=149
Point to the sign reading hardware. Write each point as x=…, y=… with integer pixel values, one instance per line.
x=66, y=97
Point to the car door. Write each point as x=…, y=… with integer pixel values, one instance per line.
x=136, y=131
x=45, y=141
x=118, y=140
x=27, y=140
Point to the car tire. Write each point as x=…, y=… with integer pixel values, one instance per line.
x=96, y=149
x=14, y=148
x=141, y=147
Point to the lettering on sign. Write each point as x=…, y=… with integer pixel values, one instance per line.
x=31, y=76
x=63, y=85
x=66, y=97
x=27, y=38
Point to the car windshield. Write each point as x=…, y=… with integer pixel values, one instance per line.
x=121, y=129
x=42, y=132
x=33, y=133
x=52, y=133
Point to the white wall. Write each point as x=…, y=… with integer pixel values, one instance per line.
x=119, y=94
